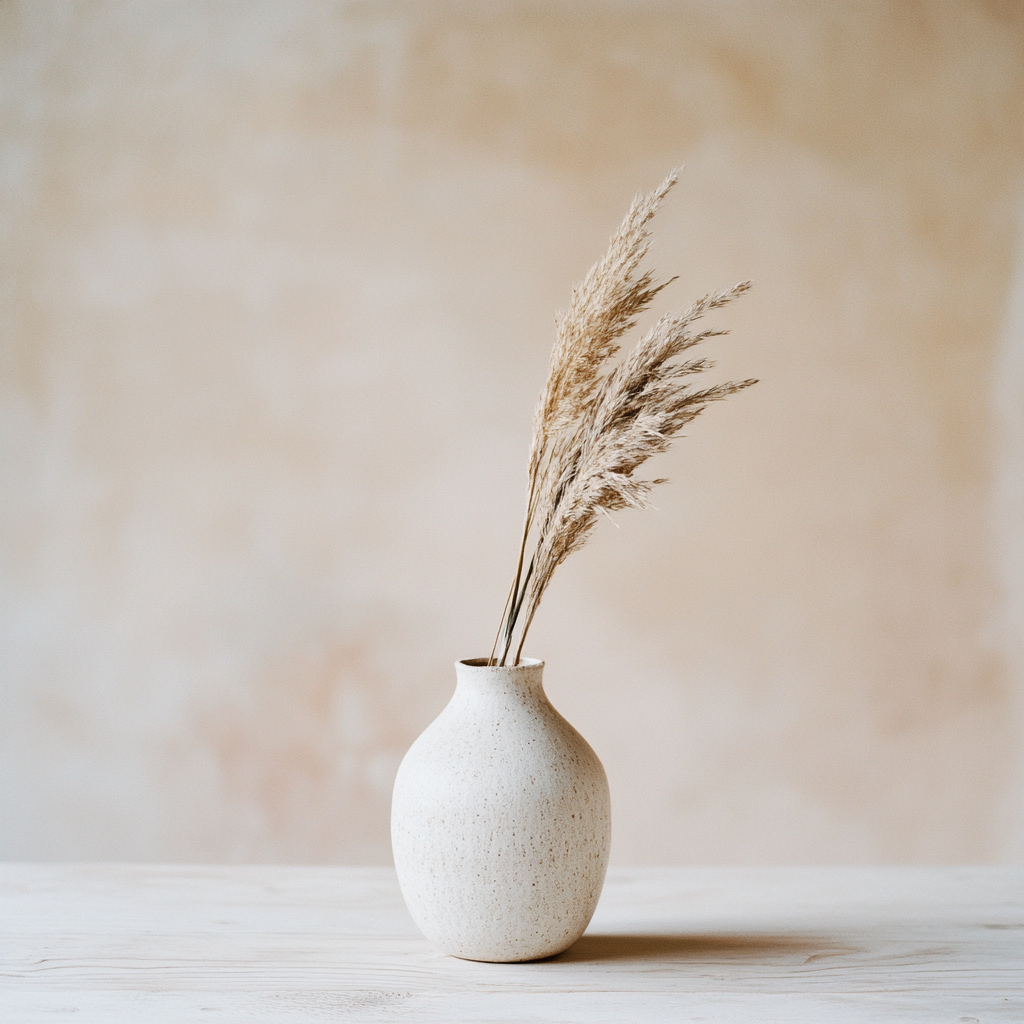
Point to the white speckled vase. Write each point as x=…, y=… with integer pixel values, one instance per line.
x=501, y=821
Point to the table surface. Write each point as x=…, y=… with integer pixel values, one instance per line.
x=150, y=943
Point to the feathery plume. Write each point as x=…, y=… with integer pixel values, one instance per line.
x=594, y=427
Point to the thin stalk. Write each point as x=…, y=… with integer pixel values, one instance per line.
x=513, y=617
x=526, y=629
x=497, y=636
x=531, y=500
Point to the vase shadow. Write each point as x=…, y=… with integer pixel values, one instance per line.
x=690, y=947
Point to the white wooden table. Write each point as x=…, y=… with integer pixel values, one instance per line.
x=152, y=943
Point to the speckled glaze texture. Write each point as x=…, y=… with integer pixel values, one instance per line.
x=501, y=821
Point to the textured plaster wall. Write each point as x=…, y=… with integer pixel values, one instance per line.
x=276, y=293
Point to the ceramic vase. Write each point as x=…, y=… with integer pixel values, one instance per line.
x=500, y=822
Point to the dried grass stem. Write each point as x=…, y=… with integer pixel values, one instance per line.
x=593, y=427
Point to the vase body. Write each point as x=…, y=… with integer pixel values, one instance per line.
x=501, y=821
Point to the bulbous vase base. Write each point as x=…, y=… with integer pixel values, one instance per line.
x=501, y=821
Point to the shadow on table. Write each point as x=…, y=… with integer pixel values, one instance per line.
x=787, y=949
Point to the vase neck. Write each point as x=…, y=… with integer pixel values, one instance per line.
x=477, y=676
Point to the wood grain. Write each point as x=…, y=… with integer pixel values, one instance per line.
x=156, y=943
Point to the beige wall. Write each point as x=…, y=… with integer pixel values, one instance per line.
x=277, y=288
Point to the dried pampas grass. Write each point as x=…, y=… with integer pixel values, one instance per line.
x=594, y=426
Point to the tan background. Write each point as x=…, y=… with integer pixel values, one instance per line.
x=277, y=291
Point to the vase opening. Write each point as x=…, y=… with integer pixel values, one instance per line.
x=492, y=663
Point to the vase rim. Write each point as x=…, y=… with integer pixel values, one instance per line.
x=487, y=663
